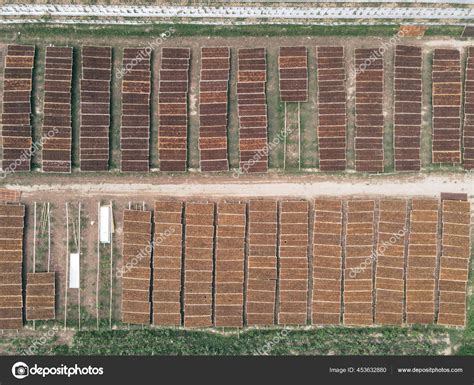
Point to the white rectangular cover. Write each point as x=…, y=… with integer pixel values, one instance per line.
x=74, y=271
x=105, y=225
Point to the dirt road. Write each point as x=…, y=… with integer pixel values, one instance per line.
x=296, y=186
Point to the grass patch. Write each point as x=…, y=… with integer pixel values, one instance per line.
x=445, y=30
x=75, y=108
x=37, y=92
x=388, y=149
x=45, y=30
x=467, y=340
x=324, y=341
x=27, y=345
x=116, y=111
x=83, y=30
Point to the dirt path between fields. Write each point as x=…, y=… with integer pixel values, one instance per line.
x=304, y=187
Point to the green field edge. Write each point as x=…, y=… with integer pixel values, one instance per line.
x=42, y=30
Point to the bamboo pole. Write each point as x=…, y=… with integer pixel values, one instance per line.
x=299, y=137
x=67, y=266
x=111, y=267
x=98, y=264
x=44, y=220
x=42, y=226
x=34, y=250
x=49, y=237
x=79, y=252
x=34, y=238
x=74, y=233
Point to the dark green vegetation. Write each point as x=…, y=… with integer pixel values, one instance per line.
x=275, y=342
x=467, y=343
x=324, y=341
x=76, y=31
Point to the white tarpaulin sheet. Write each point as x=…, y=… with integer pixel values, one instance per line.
x=104, y=225
x=74, y=271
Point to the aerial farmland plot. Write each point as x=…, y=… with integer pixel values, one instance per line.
x=255, y=179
